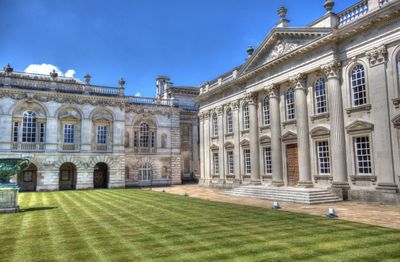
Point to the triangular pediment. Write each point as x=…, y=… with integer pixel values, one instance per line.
x=265, y=139
x=289, y=135
x=280, y=42
x=214, y=147
x=359, y=126
x=319, y=131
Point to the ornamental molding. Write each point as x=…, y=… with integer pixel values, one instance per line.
x=272, y=90
x=332, y=69
x=377, y=56
x=235, y=105
x=219, y=110
x=299, y=81
x=281, y=47
x=359, y=126
x=153, y=109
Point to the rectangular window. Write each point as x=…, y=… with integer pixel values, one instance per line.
x=247, y=161
x=363, y=155
x=69, y=133
x=267, y=161
x=230, y=162
x=324, y=167
x=135, y=139
x=216, y=163
x=290, y=107
x=153, y=139
x=42, y=133
x=229, y=122
x=102, y=135
x=246, y=117
x=15, y=132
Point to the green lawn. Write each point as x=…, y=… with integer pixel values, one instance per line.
x=133, y=225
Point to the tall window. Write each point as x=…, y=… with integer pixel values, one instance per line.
x=144, y=135
x=229, y=121
x=216, y=163
x=358, y=88
x=15, y=132
x=320, y=96
x=324, y=167
x=266, y=113
x=215, y=125
x=246, y=117
x=153, y=139
x=145, y=172
x=29, y=127
x=290, y=110
x=247, y=161
x=102, y=135
x=363, y=155
x=229, y=156
x=267, y=161
x=69, y=133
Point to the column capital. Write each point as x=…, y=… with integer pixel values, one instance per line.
x=272, y=90
x=332, y=69
x=235, y=105
x=201, y=116
x=377, y=55
x=219, y=110
x=299, y=81
x=251, y=98
x=206, y=115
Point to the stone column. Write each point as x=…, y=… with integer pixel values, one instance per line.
x=236, y=141
x=276, y=143
x=252, y=100
x=195, y=144
x=207, y=160
x=336, y=118
x=303, y=140
x=382, y=139
x=221, y=140
x=202, y=142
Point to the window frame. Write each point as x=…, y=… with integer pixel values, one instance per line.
x=247, y=161
x=230, y=162
x=246, y=116
x=229, y=121
x=355, y=158
x=362, y=85
x=267, y=160
x=266, y=111
x=318, y=158
x=320, y=98
x=290, y=104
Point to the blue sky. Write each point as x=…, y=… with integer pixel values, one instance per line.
x=192, y=41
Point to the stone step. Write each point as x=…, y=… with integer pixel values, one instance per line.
x=287, y=194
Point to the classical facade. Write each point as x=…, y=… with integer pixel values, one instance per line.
x=82, y=136
x=313, y=106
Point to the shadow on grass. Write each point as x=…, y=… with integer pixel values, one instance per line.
x=35, y=209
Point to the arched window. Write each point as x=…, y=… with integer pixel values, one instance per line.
x=215, y=125
x=320, y=96
x=358, y=88
x=29, y=127
x=229, y=121
x=246, y=117
x=290, y=110
x=144, y=135
x=145, y=172
x=266, y=113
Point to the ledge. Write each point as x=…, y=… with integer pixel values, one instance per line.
x=228, y=134
x=214, y=137
x=322, y=177
x=289, y=122
x=320, y=116
x=230, y=176
x=363, y=108
x=264, y=127
x=367, y=178
x=246, y=176
x=245, y=131
x=267, y=176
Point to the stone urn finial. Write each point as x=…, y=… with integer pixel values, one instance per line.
x=282, y=11
x=8, y=69
x=329, y=5
x=87, y=78
x=54, y=74
x=121, y=82
x=250, y=50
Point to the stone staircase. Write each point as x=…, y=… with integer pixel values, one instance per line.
x=308, y=196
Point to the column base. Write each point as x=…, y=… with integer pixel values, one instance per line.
x=256, y=182
x=341, y=189
x=277, y=183
x=237, y=182
x=387, y=187
x=305, y=184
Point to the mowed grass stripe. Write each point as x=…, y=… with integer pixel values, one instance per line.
x=140, y=225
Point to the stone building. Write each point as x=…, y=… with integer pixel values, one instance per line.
x=82, y=136
x=315, y=106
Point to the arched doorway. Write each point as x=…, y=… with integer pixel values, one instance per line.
x=27, y=179
x=100, y=175
x=67, y=176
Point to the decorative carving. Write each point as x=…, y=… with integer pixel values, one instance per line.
x=281, y=47
x=8, y=69
x=206, y=115
x=251, y=98
x=235, y=105
x=396, y=122
x=377, y=56
x=273, y=90
x=332, y=69
x=359, y=126
x=219, y=110
x=299, y=81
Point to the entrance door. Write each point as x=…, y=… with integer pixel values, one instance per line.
x=27, y=179
x=67, y=176
x=292, y=164
x=100, y=175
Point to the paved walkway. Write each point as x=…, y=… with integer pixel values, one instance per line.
x=371, y=213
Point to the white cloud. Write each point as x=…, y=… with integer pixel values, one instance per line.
x=45, y=69
x=70, y=73
x=138, y=94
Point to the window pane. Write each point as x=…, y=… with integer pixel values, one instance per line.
x=358, y=88
x=290, y=109
x=363, y=155
x=323, y=158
